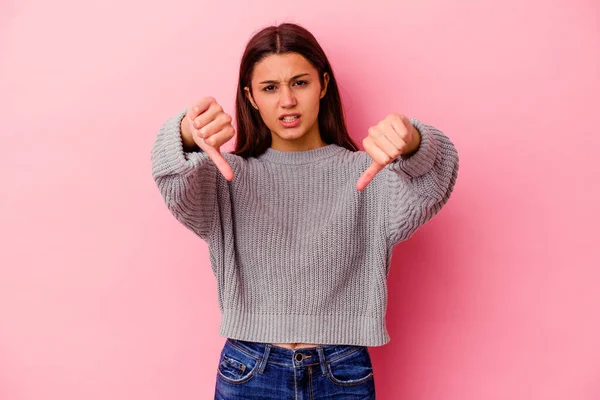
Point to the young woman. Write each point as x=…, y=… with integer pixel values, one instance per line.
x=300, y=224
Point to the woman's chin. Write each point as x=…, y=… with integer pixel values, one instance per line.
x=291, y=134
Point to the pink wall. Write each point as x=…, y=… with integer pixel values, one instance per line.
x=103, y=295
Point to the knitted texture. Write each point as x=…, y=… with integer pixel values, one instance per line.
x=298, y=253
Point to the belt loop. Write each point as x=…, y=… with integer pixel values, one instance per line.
x=263, y=361
x=322, y=360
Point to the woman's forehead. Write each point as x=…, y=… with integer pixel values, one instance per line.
x=282, y=67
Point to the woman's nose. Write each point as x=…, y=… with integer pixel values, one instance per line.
x=286, y=97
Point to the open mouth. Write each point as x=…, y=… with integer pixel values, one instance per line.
x=290, y=121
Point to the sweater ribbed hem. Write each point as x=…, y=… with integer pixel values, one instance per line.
x=422, y=161
x=168, y=156
x=319, y=329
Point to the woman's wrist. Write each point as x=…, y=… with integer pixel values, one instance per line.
x=189, y=144
x=414, y=144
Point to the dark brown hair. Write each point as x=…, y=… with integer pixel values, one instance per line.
x=253, y=136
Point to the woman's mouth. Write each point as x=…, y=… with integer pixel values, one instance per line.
x=290, y=121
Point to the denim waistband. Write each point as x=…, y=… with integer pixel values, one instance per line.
x=302, y=357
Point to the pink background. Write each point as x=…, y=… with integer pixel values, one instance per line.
x=104, y=295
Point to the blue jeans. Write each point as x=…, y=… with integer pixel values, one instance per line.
x=252, y=370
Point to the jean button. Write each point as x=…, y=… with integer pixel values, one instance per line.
x=299, y=357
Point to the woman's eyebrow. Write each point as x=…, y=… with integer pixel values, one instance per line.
x=293, y=78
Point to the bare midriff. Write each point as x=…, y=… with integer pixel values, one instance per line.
x=294, y=346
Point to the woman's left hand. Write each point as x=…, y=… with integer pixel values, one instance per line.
x=390, y=138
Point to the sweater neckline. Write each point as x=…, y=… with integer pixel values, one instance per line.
x=300, y=157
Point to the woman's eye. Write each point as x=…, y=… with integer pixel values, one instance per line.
x=269, y=88
x=301, y=83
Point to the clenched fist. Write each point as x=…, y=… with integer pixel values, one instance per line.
x=207, y=125
x=390, y=138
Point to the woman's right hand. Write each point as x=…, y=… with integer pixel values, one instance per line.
x=207, y=125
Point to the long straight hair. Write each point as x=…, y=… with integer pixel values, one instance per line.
x=253, y=136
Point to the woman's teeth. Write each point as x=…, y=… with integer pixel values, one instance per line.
x=290, y=119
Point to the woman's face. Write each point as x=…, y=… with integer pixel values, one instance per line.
x=286, y=91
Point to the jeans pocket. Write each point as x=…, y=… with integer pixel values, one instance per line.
x=351, y=369
x=236, y=366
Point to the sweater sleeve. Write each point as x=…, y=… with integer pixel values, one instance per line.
x=421, y=184
x=186, y=180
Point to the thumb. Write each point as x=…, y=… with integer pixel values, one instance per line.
x=368, y=175
x=220, y=162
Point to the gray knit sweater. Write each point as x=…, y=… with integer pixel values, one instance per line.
x=298, y=253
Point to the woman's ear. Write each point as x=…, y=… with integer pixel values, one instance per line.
x=325, y=83
x=249, y=97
